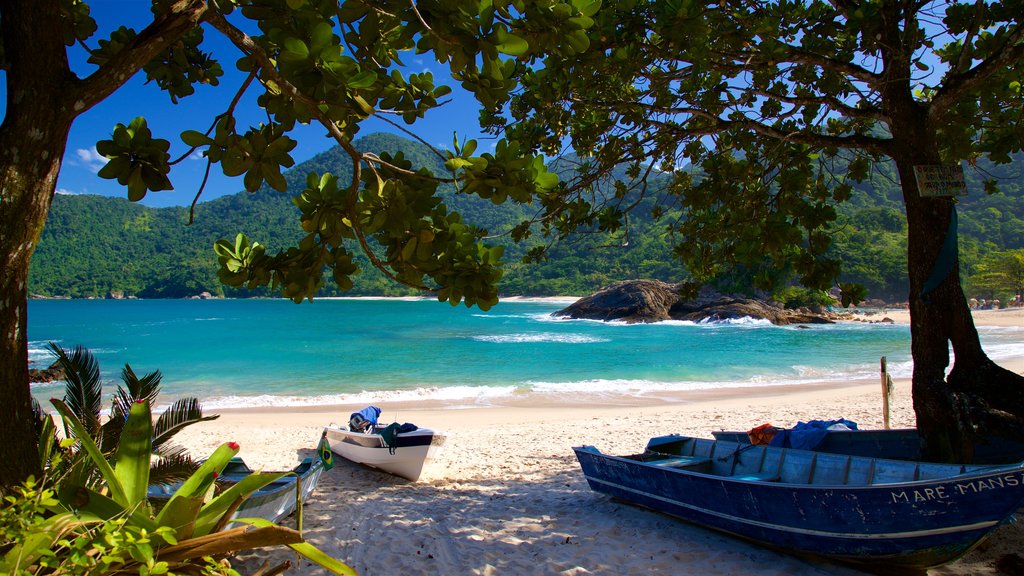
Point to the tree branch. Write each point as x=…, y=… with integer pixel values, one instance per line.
x=959, y=86
x=857, y=141
x=167, y=27
x=248, y=46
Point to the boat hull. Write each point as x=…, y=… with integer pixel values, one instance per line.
x=904, y=525
x=413, y=450
x=278, y=499
x=273, y=502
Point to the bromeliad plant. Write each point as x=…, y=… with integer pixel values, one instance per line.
x=83, y=396
x=73, y=528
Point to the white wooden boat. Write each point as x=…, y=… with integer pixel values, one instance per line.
x=411, y=451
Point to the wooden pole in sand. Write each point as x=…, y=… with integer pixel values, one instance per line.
x=885, y=395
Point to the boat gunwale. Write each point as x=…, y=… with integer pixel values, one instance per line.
x=968, y=471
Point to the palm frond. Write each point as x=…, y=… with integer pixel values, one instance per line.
x=170, y=450
x=178, y=466
x=38, y=417
x=184, y=412
x=83, y=392
x=136, y=389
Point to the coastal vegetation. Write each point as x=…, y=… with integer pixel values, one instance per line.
x=95, y=247
x=89, y=511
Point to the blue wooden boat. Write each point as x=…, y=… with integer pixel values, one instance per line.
x=275, y=501
x=895, y=444
x=900, y=515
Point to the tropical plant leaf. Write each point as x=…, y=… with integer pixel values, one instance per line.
x=212, y=513
x=98, y=459
x=83, y=391
x=24, y=553
x=94, y=506
x=134, y=451
x=183, y=412
x=180, y=509
x=145, y=388
x=307, y=550
x=46, y=431
x=230, y=541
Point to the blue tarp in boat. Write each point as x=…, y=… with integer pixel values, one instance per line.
x=365, y=418
x=807, y=435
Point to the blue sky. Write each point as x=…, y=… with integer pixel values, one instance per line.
x=196, y=112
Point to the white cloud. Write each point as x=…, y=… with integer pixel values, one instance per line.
x=66, y=192
x=91, y=159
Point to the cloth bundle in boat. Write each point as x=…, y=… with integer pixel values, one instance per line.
x=390, y=434
x=807, y=435
x=761, y=435
x=364, y=420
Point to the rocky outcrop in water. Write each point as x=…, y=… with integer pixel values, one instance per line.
x=51, y=374
x=637, y=301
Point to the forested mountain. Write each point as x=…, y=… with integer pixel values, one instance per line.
x=93, y=246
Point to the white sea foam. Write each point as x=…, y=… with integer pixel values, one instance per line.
x=479, y=395
x=539, y=337
x=744, y=322
x=475, y=396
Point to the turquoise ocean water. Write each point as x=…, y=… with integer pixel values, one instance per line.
x=247, y=353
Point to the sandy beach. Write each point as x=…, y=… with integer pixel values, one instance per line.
x=506, y=495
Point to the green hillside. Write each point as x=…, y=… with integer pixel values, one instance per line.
x=93, y=246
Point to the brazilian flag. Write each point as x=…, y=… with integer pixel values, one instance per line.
x=326, y=456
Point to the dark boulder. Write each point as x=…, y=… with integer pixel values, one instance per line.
x=636, y=301
x=51, y=374
x=630, y=301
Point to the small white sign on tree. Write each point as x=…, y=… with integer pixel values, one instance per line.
x=935, y=181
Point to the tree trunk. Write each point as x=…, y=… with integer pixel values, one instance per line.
x=978, y=398
x=32, y=141
x=26, y=185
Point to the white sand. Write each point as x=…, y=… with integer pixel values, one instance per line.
x=506, y=495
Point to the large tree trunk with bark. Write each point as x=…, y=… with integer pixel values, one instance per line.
x=978, y=398
x=29, y=162
x=43, y=98
x=32, y=141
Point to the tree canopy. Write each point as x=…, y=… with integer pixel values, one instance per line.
x=329, y=63
x=764, y=98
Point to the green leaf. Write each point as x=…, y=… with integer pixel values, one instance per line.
x=511, y=44
x=87, y=501
x=276, y=180
x=363, y=104
x=36, y=543
x=454, y=164
x=321, y=36
x=89, y=445
x=195, y=139
x=364, y=79
x=588, y=8
x=133, y=453
x=578, y=41
x=309, y=551
x=211, y=513
x=295, y=50
x=181, y=510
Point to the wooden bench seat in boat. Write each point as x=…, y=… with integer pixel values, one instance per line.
x=693, y=463
x=758, y=477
